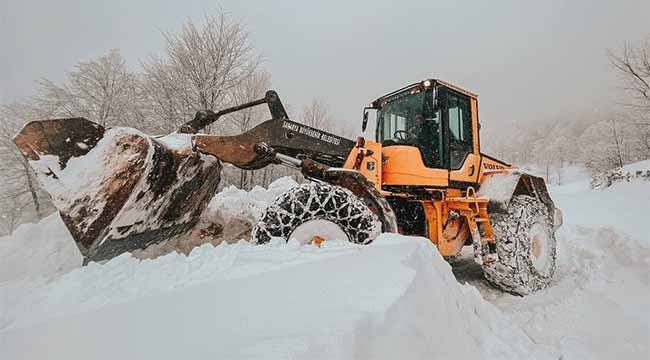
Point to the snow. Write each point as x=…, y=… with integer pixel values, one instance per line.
x=234, y=210
x=233, y=203
x=176, y=141
x=395, y=298
x=499, y=187
x=279, y=300
x=38, y=250
x=623, y=206
x=598, y=305
x=637, y=166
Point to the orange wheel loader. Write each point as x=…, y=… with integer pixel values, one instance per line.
x=423, y=174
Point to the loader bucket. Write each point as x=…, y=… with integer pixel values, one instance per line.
x=117, y=189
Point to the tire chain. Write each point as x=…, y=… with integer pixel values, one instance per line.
x=514, y=271
x=317, y=201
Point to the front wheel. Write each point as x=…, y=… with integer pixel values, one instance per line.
x=317, y=211
x=525, y=247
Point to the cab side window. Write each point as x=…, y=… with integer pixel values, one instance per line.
x=460, y=129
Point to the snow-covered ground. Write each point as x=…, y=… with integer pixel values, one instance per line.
x=598, y=306
x=45, y=251
x=395, y=298
x=642, y=166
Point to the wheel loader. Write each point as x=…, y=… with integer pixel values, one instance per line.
x=118, y=189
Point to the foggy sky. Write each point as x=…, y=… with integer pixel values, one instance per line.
x=527, y=60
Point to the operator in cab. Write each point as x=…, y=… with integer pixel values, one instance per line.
x=425, y=134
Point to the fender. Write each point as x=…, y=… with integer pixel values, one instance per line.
x=358, y=184
x=500, y=188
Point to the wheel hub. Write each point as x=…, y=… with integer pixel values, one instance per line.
x=317, y=231
x=539, y=248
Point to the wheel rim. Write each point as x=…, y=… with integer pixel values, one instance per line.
x=540, y=248
x=318, y=230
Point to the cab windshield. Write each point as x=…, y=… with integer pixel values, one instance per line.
x=410, y=119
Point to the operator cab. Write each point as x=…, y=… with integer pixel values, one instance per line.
x=439, y=120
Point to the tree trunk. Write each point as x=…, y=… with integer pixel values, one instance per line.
x=242, y=178
x=264, y=174
x=547, y=173
x=619, y=156
x=32, y=189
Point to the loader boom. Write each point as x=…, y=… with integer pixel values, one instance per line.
x=204, y=118
x=257, y=147
x=148, y=189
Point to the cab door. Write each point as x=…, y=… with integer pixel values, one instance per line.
x=462, y=157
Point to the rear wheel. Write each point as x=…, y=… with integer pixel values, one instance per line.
x=316, y=211
x=525, y=247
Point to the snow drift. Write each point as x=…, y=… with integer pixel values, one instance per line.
x=230, y=216
x=395, y=298
x=43, y=250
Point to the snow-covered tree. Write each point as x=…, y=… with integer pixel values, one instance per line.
x=102, y=90
x=252, y=88
x=601, y=145
x=160, y=100
x=201, y=68
x=205, y=67
x=633, y=65
x=316, y=115
x=21, y=197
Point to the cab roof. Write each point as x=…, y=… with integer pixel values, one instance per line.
x=422, y=84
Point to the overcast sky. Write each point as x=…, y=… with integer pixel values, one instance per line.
x=527, y=60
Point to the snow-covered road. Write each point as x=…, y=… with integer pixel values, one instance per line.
x=598, y=306
x=394, y=298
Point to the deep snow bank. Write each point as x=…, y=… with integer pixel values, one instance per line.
x=233, y=203
x=44, y=250
x=47, y=250
x=229, y=218
x=396, y=298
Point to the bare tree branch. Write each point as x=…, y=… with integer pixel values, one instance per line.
x=202, y=68
x=102, y=90
x=633, y=65
x=316, y=115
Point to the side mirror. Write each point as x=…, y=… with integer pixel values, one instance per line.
x=364, y=123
